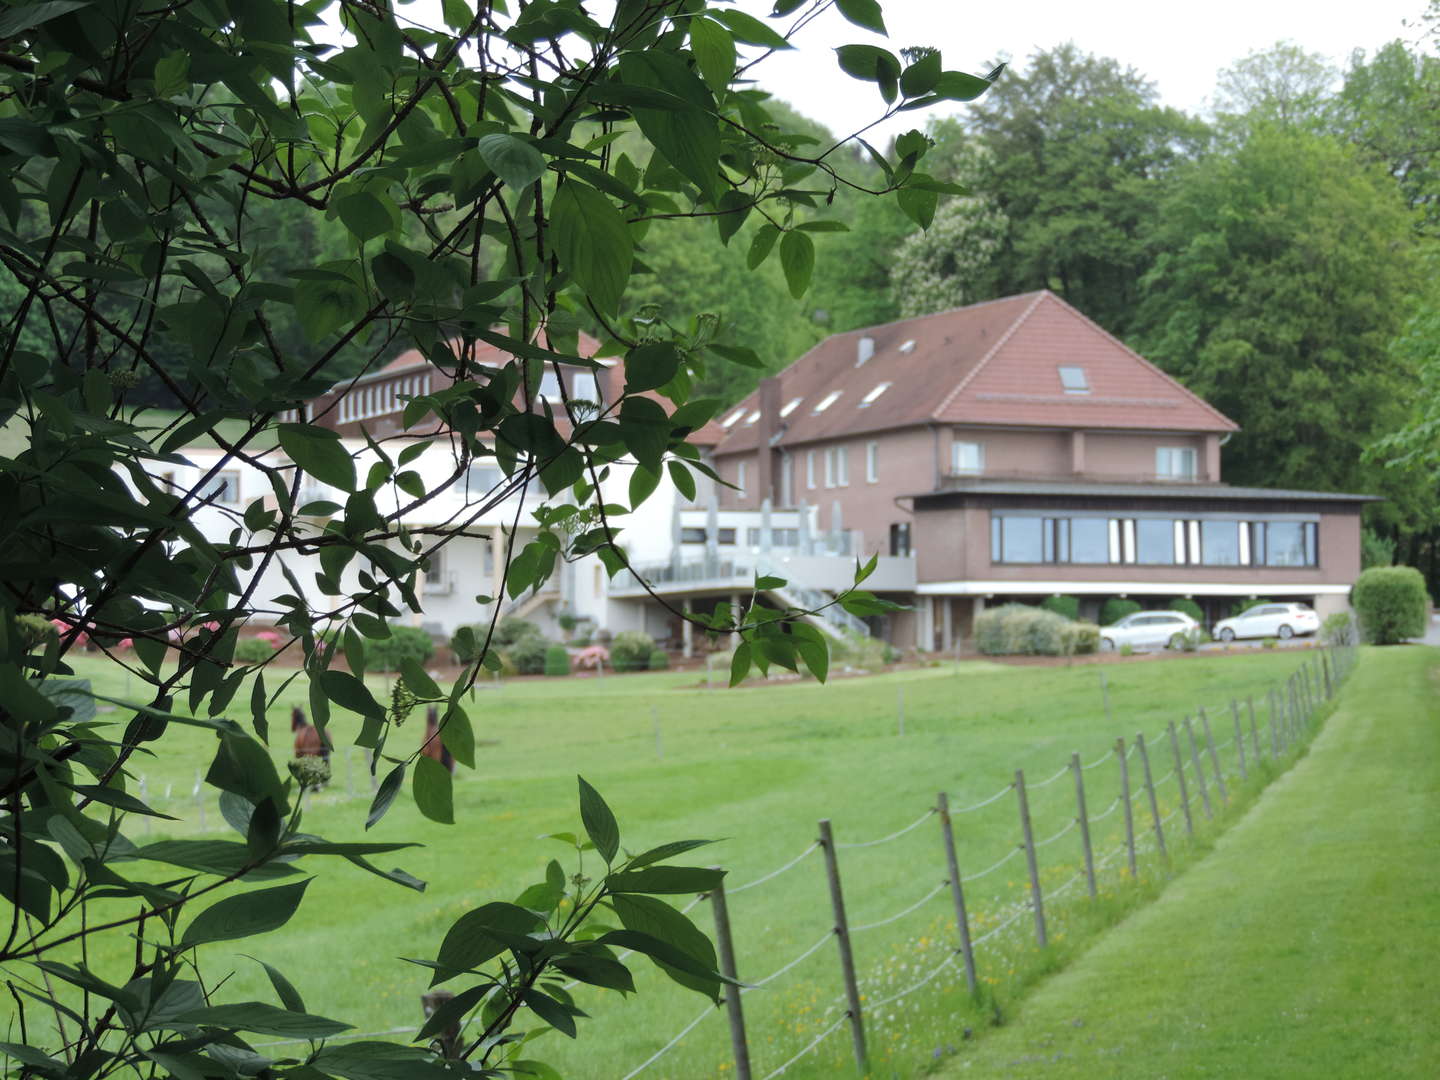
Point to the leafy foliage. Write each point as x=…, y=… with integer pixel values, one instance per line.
x=557, y=660
x=405, y=643
x=1022, y=630
x=1115, y=609
x=630, y=650
x=1391, y=604
x=1068, y=606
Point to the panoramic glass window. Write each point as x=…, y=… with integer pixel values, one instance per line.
x=1155, y=541
x=1022, y=540
x=1089, y=540
x=1220, y=543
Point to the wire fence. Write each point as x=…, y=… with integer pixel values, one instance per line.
x=1272, y=730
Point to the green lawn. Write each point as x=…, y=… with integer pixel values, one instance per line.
x=756, y=767
x=1304, y=945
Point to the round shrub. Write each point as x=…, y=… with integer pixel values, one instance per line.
x=404, y=642
x=1082, y=638
x=1189, y=607
x=1068, y=606
x=253, y=651
x=1021, y=630
x=1391, y=604
x=1116, y=609
x=1338, y=629
x=528, y=654
x=557, y=660
x=1242, y=606
x=509, y=630
x=659, y=660
x=630, y=650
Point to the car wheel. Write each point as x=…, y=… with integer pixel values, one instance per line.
x=1227, y=635
x=1177, y=642
x=1285, y=633
x=1106, y=645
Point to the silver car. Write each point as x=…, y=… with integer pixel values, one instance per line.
x=1269, y=620
x=1149, y=630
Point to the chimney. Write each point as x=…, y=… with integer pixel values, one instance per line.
x=768, y=402
x=864, y=350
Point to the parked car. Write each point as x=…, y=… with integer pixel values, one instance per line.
x=1149, y=630
x=1269, y=620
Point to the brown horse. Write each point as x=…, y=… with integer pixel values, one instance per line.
x=310, y=741
x=432, y=747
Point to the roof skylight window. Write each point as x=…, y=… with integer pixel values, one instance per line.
x=873, y=394
x=790, y=406
x=1074, y=381
x=828, y=400
x=752, y=417
x=908, y=347
x=733, y=419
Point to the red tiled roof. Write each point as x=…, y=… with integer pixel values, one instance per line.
x=990, y=363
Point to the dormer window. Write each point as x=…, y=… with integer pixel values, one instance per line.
x=874, y=394
x=790, y=406
x=752, y=418
x=733, y=419
x=1074, y=381
x=828, y=400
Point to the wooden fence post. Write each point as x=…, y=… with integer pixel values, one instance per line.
x=842, y=939
x=1273, y=697
x=1254, y=731
x=724, y=945
x=1180, y=776
x=1083, y=819
x=1125, y=799
x=1150, y=790
x=957, y=893
x=1239, y=739
x=1325, y=670
x=1036, y=899
x=1199, y=769
x=1214, y=758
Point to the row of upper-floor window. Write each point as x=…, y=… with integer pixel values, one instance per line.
x=1171, y=462
x=1152, y=541
x=830, y=467
x=362, y=403
x=726, y=535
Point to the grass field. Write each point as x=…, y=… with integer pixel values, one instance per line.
x=1304, y=945
x=757, y=767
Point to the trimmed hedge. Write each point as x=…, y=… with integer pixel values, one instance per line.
x=659, y=660
x=404, y=642
x=630, y=650
x=1021, y=630
x=254, y=651
x=1391, y=603
x=1189, y=607
x=557, y=660
x=1068, y=606
x=528, y=654
x=1116, y=609
x=1242, y=606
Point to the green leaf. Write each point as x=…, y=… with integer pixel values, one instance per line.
x=284, y=989
x=417, y=678
x=761, y=244
x=451, y=1012
x=797, y=259
x=592, y=242
x=643, y=483
x=648, y=367
x=513, y=159
x=434, y=790
x=918, y=205
x=350, y=693
x=385, y=794
x=735, y=207
x=654, y=917
x=16, y=20
x=247, y=914
x=243, y=766
x=393, y=276
x=922, y=76
x=667, y=954
x=688, y=138
x=863, y=13
x=740, y=663
x=665, y=880
x=665, y=851
x=364, y=214
x=750, y=30
x=476, y=936
x=319, y=452
x=263, y=1019
x=681, y=478
x=551, y=1011
x=600, y=823
x=870, y=63
x=714, y=51
x=459, y=736
x=960, y=86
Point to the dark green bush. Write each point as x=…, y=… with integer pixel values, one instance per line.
x=1391, y=604
x=1116, y=609
x=1068, y=606
x=254, y=651
x=1022, y=630
x=404, y=642
x=1189, y=607
x=1338, y=629
x=557, y=660
x=1242, y=606
x=659, y=660
x=528, y=654
x=509, y=630
x=630, y=650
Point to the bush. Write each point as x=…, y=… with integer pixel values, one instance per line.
x=1242, y=606
x=509, y=630
x=253, y=651
x=1268, y=643
x=1127, y=649
x=1116, y=609
x=630, y=650
x=1189, y=607
x=1338, y=629
x=1375, y=550
x=860, y=652
x=1021, y=630
x=1391, y=604
x=404, y=642
x=557, y=660
x=1068, y=606
x=659, y=660
x=528, y=654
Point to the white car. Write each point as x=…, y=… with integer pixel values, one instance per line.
x=1148, y=630
x=1269, y=620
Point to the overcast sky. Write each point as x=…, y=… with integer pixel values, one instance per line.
x=1179, y=46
